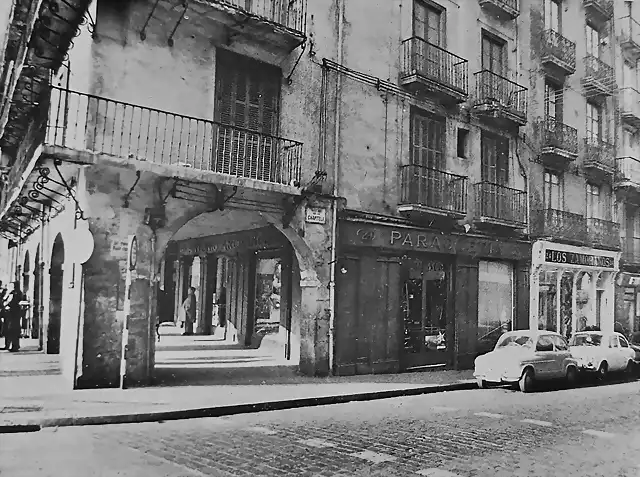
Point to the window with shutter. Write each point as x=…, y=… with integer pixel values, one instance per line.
x=427, y=138
x=246, y=108
x=493, y=54
x=495, y=159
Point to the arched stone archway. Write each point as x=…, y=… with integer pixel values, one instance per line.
x=55, y=296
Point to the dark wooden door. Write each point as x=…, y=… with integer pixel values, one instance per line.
x=424, y=296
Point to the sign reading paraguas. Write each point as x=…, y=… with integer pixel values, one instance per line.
x=574, y=258
x=421, y=241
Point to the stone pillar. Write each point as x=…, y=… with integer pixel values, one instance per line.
x=534, y=298
x=593, y=294
x=202, y=325
x=314, y=329
x=574, y=300
x=607, y=312
x=559, y=274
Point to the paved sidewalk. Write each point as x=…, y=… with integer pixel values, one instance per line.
x=32, y=395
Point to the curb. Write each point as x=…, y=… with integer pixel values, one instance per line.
x=229, y=410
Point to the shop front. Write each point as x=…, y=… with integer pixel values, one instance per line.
x=627, y=303
x=242, y=283
x=410, y=298
x=572, y=288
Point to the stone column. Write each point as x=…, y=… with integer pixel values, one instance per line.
x=534, y=297
x=314, y=328
x=607, y=312
x=574, y=300
x=202, y=298
x=559, y=274
x=593, y=294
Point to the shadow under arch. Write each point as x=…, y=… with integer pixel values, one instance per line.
x=55, y=296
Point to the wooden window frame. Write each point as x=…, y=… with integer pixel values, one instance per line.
x=442, y=27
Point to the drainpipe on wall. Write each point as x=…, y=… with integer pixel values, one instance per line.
x=334, y=211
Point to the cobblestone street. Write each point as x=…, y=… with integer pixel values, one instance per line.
x=590, y=431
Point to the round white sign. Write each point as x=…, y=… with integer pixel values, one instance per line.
x=83, y=245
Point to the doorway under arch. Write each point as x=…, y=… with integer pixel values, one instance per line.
x=55, y=296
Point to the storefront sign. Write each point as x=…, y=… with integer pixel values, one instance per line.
x=420, y=241
x=316, y=215
x=231, y=243
x=572, y=258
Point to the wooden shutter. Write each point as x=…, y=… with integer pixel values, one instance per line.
x=247, y=99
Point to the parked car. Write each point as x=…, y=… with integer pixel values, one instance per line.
x=524, y=357
x=600, y=352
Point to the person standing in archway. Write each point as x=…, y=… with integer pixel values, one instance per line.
x=189, y=307
x=13, y=315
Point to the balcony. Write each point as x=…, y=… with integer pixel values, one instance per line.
x=627, y=176
x=429, y=68
x=630, y=106
x=500, y=205
x=599, y=158
x=559, y=143
x=500, y=99
x=630, y=37
x=502, y=8
x=599, y=78
x=631, y=251
x=171, y=142
x=558, y=52
x=603, y=233
x=552, y=224
x=275, y=22
x=431, y=192
x=599, y=10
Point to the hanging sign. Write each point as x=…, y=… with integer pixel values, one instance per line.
x=316, y=215
x=83, y=245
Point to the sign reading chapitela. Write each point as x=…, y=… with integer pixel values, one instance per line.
x=572, y=258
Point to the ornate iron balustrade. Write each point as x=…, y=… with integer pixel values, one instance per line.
x=501, y=203
x=554, y=45
x=493, y=88
x=631, y=250
x=425, y=59
x=433, y=188
x=599, y=154
x=291, y=13
x=559, y=135
x=628, y=170
x=604, y=233
x=604, y=7
x=599, y=71
x=559, y=224
x=91, y=123
x=511, y=7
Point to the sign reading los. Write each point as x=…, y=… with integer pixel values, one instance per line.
x=572, y=258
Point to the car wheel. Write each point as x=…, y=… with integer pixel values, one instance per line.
x=630, y=370
x=526, y=381
x=603, y=371
x=572, y=376
x=482, y=384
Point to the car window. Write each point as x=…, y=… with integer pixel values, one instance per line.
x=587, y=339
x=613, y=342
x=623, y=342
x=561, y=344
x=544, y=343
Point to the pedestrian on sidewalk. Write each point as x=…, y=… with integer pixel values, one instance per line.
x=13, y=315
x=189, y=307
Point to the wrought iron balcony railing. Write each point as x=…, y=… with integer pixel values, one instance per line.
x=291, y=13
x=603, y=233
x=559, y=225
x=602, y=8
x=628, y=171
x=91, y=123
x=631, y=250
x=559, y=49
x=599, y=154
x=425, y=59
x=509, y=7
x=433, y=189
x=493, y=88
x=599, y=76
x=558, y=135
x=501, y=203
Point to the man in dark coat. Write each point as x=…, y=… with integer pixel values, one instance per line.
x=189, y=306
x=13, y=314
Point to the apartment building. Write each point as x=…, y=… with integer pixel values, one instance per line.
x=627, y=179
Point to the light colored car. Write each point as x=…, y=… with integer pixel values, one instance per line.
x=524, y=357
x=601, y=353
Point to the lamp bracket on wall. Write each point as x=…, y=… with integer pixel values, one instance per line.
x=79, y=212
x=292, y=203
x=125, y=200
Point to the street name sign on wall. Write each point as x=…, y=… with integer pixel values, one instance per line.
x=573, y=258
x=316, y=215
